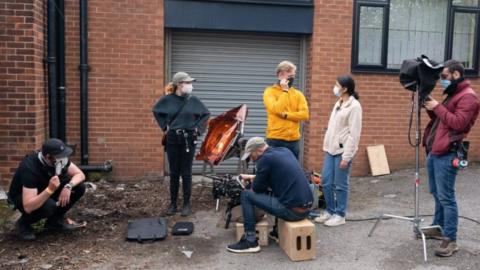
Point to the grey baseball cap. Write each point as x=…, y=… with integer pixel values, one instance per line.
x=253, y=144
x=182, y=77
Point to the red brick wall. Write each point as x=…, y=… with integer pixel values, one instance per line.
x=385, y=103
x=22, y=97
x=126, y=58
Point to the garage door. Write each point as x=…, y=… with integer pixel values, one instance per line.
x=231, y=69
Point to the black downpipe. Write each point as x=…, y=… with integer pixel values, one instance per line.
x=105, y=167
x=84, y=68
x=61, y=69
x=52, y=69
x=83, y=82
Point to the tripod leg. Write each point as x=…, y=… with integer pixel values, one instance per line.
x=424, y=246
x=375, y=226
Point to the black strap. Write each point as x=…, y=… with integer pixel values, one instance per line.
x=178, y=112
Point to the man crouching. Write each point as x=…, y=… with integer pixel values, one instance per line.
x=276, y=169
x=46, y=185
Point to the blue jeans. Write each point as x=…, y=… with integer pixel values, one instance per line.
x=335, y=182
x=441, y=180
x=293, y=146
x=269, y=204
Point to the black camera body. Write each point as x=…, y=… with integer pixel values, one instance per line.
x=227, y=186
x=231, y=187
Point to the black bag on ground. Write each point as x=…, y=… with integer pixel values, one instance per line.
x=147, y=229
x=182, y=228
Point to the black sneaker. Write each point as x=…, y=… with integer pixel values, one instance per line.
x=25, y=231
x=244, y=246
x=273, y=235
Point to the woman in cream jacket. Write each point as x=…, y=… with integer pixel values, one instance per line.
x=340, y=146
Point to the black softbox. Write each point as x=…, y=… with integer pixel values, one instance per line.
x=420, y=74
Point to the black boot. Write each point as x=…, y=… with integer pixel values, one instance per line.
x=186, y=210
x=174, y=186
x=187, y=191
x=172, y=209
x=24, y=230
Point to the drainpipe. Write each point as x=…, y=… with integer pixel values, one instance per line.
x=83, y=83
x=61, y=69
x=84, y=68
x=52, y=70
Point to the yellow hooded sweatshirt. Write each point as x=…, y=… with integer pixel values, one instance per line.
x=285, y=110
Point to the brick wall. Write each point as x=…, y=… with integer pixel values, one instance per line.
x=385, y=103
x=126, y=58
x=22, y=97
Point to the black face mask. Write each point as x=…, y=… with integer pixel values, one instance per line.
x=453, y=86
x=290, y=81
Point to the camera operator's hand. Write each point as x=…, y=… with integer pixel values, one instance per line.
x=430, y=104
x=247, y=177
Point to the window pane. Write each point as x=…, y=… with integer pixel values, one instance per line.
x=416, y=27
x=470, y=3
x=370, y=36
x=464, y=38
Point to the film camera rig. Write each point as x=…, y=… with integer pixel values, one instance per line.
x=229, y=186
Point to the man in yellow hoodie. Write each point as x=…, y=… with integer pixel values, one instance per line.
x=286, y=108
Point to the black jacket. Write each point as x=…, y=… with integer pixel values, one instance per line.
x=193, y=116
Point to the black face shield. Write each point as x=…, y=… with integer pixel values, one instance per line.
x=420, y=74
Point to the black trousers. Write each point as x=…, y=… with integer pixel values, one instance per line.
x=49, y=209
x=180, y=163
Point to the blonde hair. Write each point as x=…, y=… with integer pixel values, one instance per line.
x=170, y=89
x=285, y=66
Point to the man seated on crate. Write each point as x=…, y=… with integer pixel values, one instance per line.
x=276, y=169
x=46, y=184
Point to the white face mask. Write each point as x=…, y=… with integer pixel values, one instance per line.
x=187, y=89
x=60, y=163
x=337, y=90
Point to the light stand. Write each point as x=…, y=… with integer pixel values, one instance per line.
x=416, y=220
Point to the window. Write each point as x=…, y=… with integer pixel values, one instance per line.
x=386, y=32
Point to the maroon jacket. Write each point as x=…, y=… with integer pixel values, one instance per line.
x=456, y=118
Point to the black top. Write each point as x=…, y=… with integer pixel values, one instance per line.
x=278, y=169
x=194, y=114
x=32, y=173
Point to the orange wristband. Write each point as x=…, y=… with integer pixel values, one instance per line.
x=49, y=191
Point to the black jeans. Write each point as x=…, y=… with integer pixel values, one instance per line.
x=180, y=163
x=49, y=209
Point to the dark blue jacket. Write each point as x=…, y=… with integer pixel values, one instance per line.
x=278, y=169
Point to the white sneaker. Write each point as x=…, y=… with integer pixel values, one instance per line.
x=336, y=220
x=323, y=217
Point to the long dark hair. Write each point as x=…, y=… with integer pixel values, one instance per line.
x=348, y=82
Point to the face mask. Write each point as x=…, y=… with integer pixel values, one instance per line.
x=445, y=83
x=60, y=163
x=290, y=81
x=337, y=91
x=187, y=89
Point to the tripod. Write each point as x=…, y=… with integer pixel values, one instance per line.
x=416, y=220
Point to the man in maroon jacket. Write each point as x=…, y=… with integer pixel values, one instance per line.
x=450, y=122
